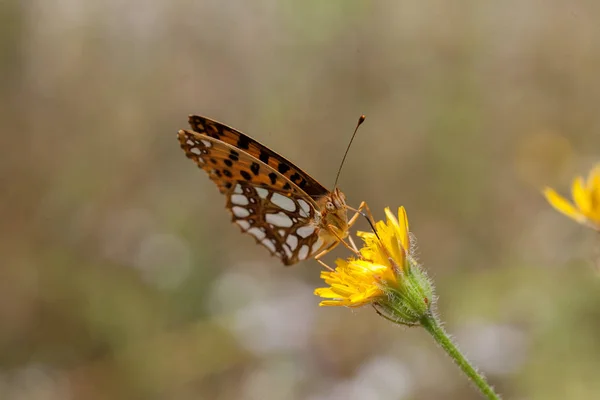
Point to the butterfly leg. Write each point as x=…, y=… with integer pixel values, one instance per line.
x=323, y=264
x=332, y=230
x=321, y=254
x=358, y=212
x=352, y=243
x=352, y=246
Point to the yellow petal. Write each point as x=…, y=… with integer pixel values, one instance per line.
x=392, y=223
x=326, y=293
x=361, y=299
x=581, y=196
x=593, y=179
x=323, y=292
x=391, y=237
x=367, y=235
x=403, y=218
x=562, y=205
x=391, y=217
x=594, y=188
x=326, y=303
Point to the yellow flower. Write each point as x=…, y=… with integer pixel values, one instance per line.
x=385, y=275
x=354, y=283
x=586, y=196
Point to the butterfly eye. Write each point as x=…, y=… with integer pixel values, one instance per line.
x=330, y=206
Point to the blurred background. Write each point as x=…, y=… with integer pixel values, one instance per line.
x=122, y=278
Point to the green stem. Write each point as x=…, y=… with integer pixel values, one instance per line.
x=432, y=325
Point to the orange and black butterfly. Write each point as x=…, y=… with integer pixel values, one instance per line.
x=283, y=207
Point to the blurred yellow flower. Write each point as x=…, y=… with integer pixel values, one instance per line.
x=586, y=198
x=385, y=275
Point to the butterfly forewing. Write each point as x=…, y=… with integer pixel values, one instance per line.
x=255, y=149
x=225, y=164
x=263, y=202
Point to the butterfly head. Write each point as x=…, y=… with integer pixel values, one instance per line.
x=334, y=212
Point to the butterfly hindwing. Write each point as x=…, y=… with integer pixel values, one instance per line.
x=282, y=222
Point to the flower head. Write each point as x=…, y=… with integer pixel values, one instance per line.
x=384, y=275
x=586, y=198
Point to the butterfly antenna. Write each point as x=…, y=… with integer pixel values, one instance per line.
x=371, y=224
x=360, y=121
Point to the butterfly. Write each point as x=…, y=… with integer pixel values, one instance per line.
x=281, y=206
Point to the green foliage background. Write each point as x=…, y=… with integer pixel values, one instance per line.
x=121, y=276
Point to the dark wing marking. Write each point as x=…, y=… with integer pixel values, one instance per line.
x=243, y=142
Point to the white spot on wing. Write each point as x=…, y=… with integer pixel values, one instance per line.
x=305, y=231
x=267, y=243
x=190, y=142
x=206, y=143
x=280, y=219
x=238, y=189
x=292, y=241
x=287, y=250
x=195, y=150
x=240, y=212
x=284, y=202
x=281, y=232
x=243, y=224
x=305, y=208
x=239, y=199
x=303, y=252
x=262, y=192
x=257, y=233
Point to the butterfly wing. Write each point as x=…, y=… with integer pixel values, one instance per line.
x=262, y=201
x=283, y=223
x=243, y=142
